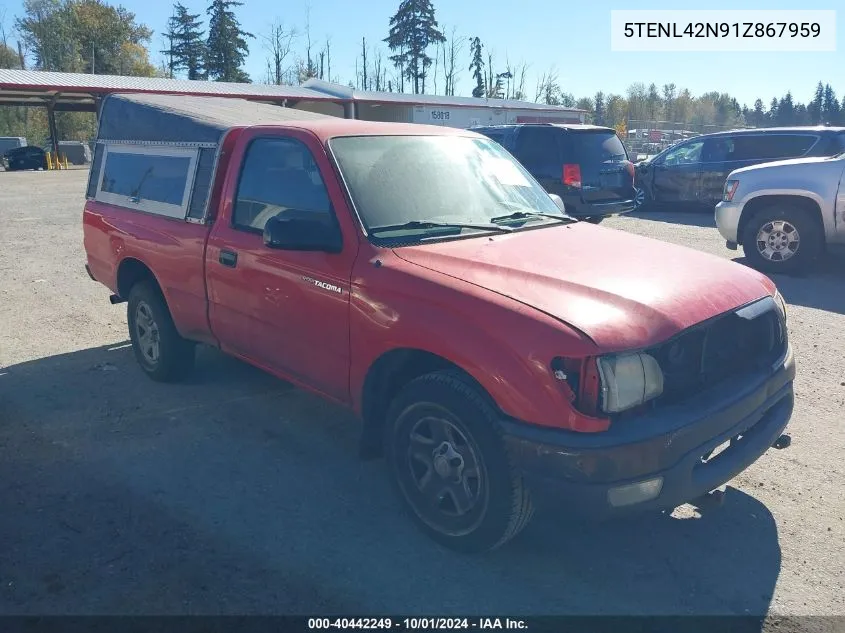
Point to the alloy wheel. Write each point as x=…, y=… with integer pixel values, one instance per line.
x=446, y=475
x=778, y=241
x=148, y=334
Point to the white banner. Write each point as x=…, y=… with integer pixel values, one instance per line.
x=723, y=30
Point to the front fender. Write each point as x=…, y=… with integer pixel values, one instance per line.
x=505, y=346
x=820, y=200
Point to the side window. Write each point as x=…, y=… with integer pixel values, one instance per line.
x=773, y=146
x=152, y=179
x=685, y=154
x=718, y=150
x=537, y=148
x=279, y=175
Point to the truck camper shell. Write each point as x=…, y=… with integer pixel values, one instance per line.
x=167, y=146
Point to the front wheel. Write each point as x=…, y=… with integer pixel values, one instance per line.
x=642, y=199
x=782, y=239
x=450, y=465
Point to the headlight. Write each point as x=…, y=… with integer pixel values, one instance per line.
x=628, y=380
x=730, y=190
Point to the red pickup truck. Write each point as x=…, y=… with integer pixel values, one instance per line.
x=500, y=353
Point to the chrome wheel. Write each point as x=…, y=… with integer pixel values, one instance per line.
x=778, y=241
x=147, y=331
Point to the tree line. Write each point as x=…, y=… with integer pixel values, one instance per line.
x=417, y=55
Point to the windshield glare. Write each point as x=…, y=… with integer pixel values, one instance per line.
x=398, y=179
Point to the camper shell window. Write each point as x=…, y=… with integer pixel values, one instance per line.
x=156, y=180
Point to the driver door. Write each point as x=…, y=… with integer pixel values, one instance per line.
x=677, y=176
x=284, y=310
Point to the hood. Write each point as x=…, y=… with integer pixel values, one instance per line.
x=791, y=164
x=622, y=290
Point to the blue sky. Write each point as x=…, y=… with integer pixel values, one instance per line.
x=570, y=35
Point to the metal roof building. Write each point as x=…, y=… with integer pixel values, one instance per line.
x=75, y=92
x=78, y=92
x=443, y=110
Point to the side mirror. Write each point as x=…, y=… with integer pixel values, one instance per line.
x=558, y=201
x=302, y=234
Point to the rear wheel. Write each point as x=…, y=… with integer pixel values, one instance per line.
x=162, y=353
x=782, y=239
x=450, y=465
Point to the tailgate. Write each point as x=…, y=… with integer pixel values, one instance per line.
x=606, y=172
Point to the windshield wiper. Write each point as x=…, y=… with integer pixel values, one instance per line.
x=417, y=224
x=519, y=215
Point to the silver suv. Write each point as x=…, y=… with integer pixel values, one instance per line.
x=784, y=214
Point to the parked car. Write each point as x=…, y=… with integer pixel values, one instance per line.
x=784, y=214
x=693, y=173
x=11, y=142
x=586, y=165
x=499, y=353
x=29, y=157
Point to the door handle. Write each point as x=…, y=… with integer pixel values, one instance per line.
x=228, y=258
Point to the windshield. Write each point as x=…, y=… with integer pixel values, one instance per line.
x=432, y=182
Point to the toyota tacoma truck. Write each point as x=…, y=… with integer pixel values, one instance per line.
x=499, y=353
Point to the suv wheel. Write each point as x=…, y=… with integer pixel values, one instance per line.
x=450, y=464
x=162, y=353
x=782, y=239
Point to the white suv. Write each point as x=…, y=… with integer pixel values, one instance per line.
x=784, y=214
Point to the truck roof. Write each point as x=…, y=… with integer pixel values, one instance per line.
x=153, y=118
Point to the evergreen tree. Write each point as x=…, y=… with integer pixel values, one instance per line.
x=830, y=107
x=758, y=116
x=786, y=110
x=413, y=28
x=170, y=64
x=226, y=48
x=477, y=67
x=188, y=46
x=772, y=115
x=815, y=107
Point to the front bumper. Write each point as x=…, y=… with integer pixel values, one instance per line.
x=579, y=470
x=727, y=220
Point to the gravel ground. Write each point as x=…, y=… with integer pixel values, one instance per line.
x=236, y=493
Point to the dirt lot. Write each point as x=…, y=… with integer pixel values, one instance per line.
x=236, y=493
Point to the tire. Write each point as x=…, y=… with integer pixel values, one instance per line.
x=594, y=219
x=642, y=199
x=795, y=239
x=168, y=357
x=437, y=485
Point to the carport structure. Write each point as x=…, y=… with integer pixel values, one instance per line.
x=74, y=92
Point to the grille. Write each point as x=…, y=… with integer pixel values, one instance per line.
x=724, y=348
